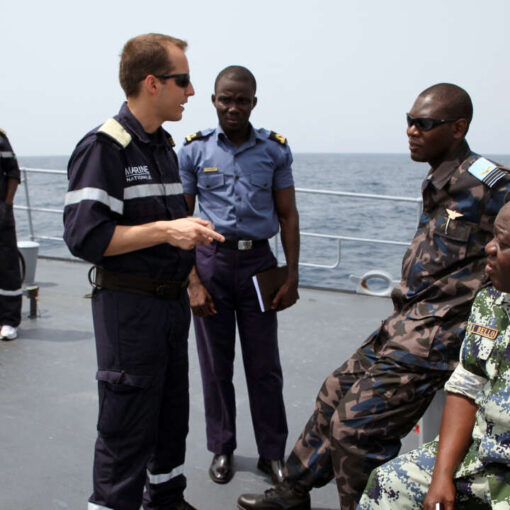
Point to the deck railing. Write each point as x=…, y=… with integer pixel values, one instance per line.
x=38, y=236
x=339, y=238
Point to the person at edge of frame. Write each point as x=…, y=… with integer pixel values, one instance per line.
x=125, y=212
x=242, y=177
x=368, y=404
x=10, y=274
x=469, y=466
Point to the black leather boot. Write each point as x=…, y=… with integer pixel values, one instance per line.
x=273, y=468
x=281, y=497
x=221, y=468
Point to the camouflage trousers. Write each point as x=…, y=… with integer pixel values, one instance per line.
x=403, y=483
x=367, y=405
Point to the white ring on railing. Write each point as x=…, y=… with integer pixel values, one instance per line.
x=379, y=275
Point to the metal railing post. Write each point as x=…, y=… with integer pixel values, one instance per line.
x=419, y=209
x=29, y=208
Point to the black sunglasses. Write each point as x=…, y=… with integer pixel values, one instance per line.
x=426, y=123
x=181, y=79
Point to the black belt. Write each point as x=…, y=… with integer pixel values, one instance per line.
x=242, y=244
x=164, y=289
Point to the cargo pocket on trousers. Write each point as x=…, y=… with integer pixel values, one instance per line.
x=421, y=333
x=121, y=400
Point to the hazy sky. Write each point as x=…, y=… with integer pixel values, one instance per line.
x=333, y=75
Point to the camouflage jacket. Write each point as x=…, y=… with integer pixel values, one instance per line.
x=483, y=375
x=443, y=268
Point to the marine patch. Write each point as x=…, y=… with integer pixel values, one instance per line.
x=487, y=172
x=211, y=169
x=485, y=331
x=277, y=138
x=195, y=136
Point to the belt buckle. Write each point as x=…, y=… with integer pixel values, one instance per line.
x=163, y=290
x=244, y=245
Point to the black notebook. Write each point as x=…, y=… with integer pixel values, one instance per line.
x=267, y=284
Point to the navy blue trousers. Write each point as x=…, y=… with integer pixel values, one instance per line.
x=227, y=275
x=142, y=354
x=10, y=277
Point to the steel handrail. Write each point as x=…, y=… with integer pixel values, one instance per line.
x=305, y=191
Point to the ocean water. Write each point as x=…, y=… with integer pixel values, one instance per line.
x=379, y=174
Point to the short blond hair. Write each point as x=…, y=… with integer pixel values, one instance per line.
x=143, y=55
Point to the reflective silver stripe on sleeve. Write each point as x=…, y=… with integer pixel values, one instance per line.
x=152, y=190
x=164, y=477
x=96, y=194
x=465, y=383
x=93, y=506
x=7, y=154
x=16, y=292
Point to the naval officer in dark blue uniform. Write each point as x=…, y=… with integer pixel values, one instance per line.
x=125, y=212
x=10, y=277
x=243, y=179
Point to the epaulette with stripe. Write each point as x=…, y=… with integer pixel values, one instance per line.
x=114, y=129
x=195, y=136
x=487, y=172
x=171, y=140
x=277, y=138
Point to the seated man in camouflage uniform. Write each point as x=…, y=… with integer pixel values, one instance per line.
x=375, y=398
x=472, y=467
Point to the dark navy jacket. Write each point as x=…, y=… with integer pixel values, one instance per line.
x=120, y=175
x=8, y=165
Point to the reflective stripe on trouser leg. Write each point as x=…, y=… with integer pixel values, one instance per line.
x=166, y=482
x=165, y=477
x=10, y=277
x=93, y=506
x=5, y=292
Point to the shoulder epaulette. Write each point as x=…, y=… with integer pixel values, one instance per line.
x=171, y=140
x=277, y=138
x=487, y=172
x=114, y=129
x=195, y=136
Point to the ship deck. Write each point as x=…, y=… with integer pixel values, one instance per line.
x=48, y=401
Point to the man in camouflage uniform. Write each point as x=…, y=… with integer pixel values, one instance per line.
x=374, y=399
x=473, y=454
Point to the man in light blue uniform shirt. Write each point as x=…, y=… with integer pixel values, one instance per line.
x=243, y=179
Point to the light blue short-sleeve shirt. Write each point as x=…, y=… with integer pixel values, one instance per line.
x=235, y=185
